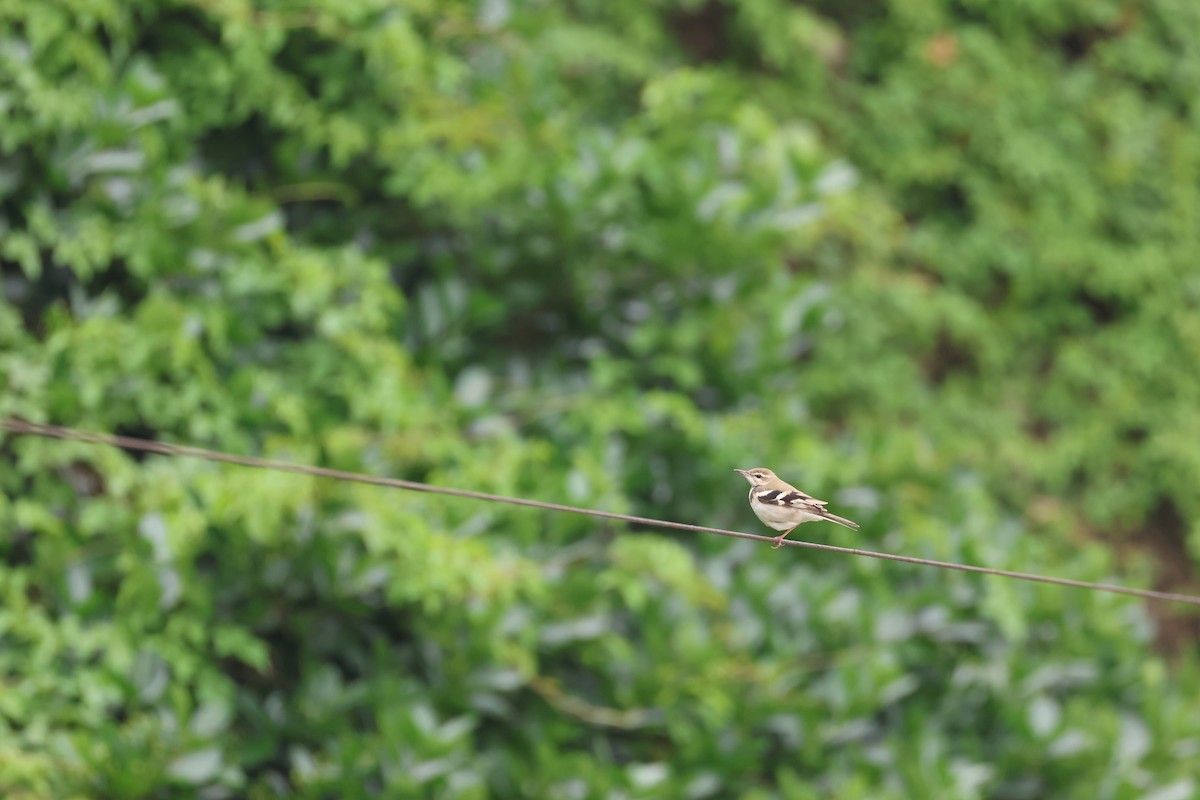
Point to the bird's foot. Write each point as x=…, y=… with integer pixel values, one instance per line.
x=779, y=539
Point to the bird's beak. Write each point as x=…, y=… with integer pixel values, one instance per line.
x=741, y=472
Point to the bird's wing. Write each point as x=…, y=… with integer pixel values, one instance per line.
x=791, y=497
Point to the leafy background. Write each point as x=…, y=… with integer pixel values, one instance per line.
x=932, y=259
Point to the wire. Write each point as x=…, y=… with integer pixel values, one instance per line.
x=178, y=450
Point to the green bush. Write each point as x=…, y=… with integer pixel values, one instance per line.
x=930, y=260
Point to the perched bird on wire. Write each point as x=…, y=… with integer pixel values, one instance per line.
x=782, y=506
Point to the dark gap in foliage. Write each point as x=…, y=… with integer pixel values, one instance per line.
x=17, y=548
x=108, y=42
x=1135, y=435
x=17, y=290
x=334, y=206
x=327, y=70
x=1164, y=538
x=54, y=284
x=289, y=330
x=398, y=229
x=948, y=203
x=1078, y=43
x=85, y=479
x=1103, y=310
x=948, y=358
x=455, y=301
x=45, y=179
x=322, y=221
x=1040, y=429
x=12, y=206
x=329, y=206
x=704, y=30
x=392, y=626
x=286, y=645
x=412, y=273
x=136, y=430
x=625, y=746
x=243, y=152
x=117, y=278
x=174, y=29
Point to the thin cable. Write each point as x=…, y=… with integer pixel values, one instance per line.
x=163, y=448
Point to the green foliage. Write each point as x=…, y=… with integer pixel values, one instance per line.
x=930, y=260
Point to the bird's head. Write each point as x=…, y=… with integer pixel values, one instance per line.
x=758, y=476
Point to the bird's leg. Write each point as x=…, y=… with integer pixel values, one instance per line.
x=779, y=539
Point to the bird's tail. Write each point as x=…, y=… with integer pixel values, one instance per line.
x=840, y=520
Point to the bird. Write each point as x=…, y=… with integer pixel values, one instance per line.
x=783, y=507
